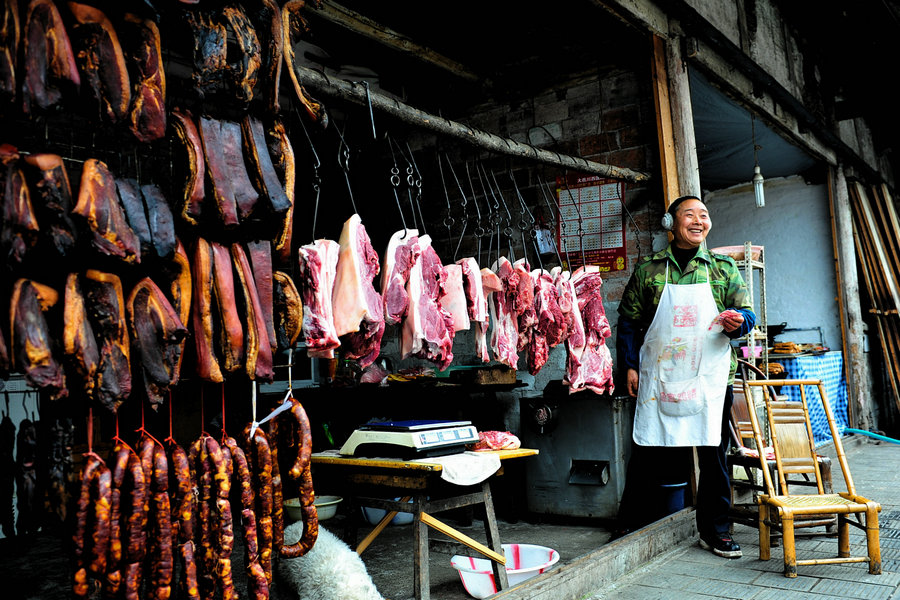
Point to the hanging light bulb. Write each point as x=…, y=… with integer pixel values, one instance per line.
x=758, y=191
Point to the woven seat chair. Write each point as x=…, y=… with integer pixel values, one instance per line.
x=791, y=436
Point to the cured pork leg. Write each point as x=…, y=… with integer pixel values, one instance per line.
x=52, y=200
x=98, y=206
x=30, y=337
x=9, y=47
x=158, y=334
x=105, y=302
x=147, y=113
x=19, y=230
x=317, y=270
x=358, y=308
x=49, y=68
x=203, y=282
x=101, y=62
x=79, y=343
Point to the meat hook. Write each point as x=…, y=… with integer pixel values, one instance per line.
x=418, y=184
x=316, y=180
x=395, y=183
x=344, y=161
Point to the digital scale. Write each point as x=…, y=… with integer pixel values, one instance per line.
x=410, y=439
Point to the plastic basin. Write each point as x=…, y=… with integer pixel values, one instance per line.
x=523, y=561
x=373, y=516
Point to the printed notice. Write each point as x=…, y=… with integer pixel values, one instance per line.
x=591, y=224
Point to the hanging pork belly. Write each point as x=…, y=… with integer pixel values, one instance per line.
x=260, y=255
x=98, y=206
x=317, y=270
x=160, y=220
x=19, y=230
x=257, y=350
x=233, y=192
x=402, y=253
x=524, y=303
x=193, y=165
x=105, y=302
x=101, y=63
x=31, y=342
x=454, y=298
x=575, y=338
x=504, y=316
x=282, y=154
x=158, y=334
x=51, y=198
x=202, y=300
x=48, y=70
x=147, y=113
x=230, y=341
x=132, y=201
x=261, y=169
x=79, y=344
x=243, y=70
x=288, y=310
x=9, y=48
x=358, y=308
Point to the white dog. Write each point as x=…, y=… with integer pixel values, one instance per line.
x=331, y=570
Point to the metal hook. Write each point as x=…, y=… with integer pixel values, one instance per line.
x=369, y=104
x=344, y=152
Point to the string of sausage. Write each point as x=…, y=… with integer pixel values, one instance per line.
x=204, y=556
x=113, y=582
x=301, y=471
x=183, y=520
x=277, y=493
x=259, y=454
x=224, y=527
x=257, y=584
x=91, y=538
x=160, y=580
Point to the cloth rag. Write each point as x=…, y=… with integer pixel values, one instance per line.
x=466, y=468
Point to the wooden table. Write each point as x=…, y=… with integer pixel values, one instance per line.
x=422, y=491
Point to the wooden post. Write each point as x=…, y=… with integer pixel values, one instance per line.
x=687, y=163
x=665, y=135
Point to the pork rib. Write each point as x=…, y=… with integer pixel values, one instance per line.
x=31, y=341
x=49, y=62
x=317, y=269
x=105, y=303
x=358, y=308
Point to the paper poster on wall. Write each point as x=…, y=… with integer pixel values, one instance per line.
x=591, y=224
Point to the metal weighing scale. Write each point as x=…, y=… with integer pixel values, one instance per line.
x=410, y=439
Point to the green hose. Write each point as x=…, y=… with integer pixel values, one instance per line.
x=870, y=434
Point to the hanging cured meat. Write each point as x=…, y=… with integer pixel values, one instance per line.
x=260, y=255
x=258, y=351
x=234, y=194
x=194, y=165
x=202, y=312
x=52, y=200
x=402, y=253
x=98, y=205
x=282, y=154
x=101, y=63
x=59, y=471
x=7, y=475
x=105, y=302
x=79, y=343
x=19, y=230
x=288, y=310
x=147, y=114
x=428, y=328
x=9, y=48
x=260, y=164
x=129, y=191
x=160, y=220
x=293, y=25
x=27, y=490
x=358, y=308
x=230, y=342
x=243, y=71
x=49, y=68
x=502, y=304
x=266, y=18
x=178, y=272
x=31, y=341
x=158, y=334
x=315, y=281
x=209, y=51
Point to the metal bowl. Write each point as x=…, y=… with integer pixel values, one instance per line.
x=326, y=507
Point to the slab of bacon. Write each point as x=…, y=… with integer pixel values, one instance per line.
x=193, y=190
x=79, y=343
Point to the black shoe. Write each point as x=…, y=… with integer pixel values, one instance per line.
x=723, y=546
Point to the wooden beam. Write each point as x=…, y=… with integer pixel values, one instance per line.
x=665, y=135
x=366, y=27
x=358, y=93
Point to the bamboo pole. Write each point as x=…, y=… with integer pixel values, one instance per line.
x=358, y=93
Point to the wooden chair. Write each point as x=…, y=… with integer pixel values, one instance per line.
x=790, y=432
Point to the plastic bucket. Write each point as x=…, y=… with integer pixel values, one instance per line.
x=523, y=561
x=672, y=497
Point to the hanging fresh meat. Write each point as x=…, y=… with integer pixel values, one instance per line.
x=99, y=207
x=49, y=68
x=266, y=18
x=282, y=154
x=476, y=303
x=147, y=113
x=454, y=298
x=129, y=191
x=261, y=168
x=257, y=350
x=428, y=328
x=158, y=334
x=596, y=360
x=288, y=309
x=575, y=334
x=31, y=341
x=9, y=48
x=502, y=304
x=358, y=308
x=490, y=284
x=402, y=253
x=230, y=324
x=524, y=303
x=194, y=165
x=105, y=302
x=202, y=301
x=101, y=63
x=260, y=254
x=293, y=25
x=79, y=344
x=160, y=220
x=19, y=230
x=316, y=274
x=51, y=197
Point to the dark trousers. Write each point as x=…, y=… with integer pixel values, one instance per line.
x=653, y=466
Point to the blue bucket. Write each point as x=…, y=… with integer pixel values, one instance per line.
x=672, y=497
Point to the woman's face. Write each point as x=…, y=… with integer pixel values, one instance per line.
x=692, y=224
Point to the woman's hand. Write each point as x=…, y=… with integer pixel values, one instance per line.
x=631, y=382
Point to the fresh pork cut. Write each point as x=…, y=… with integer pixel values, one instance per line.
x=402, y=251
x=428, y=328
x=575, y=337
x=358, y=308
x=454, y=299
x=524, y=303
x=315, y=282
x=490, y=284
x=505, y=332
x=549, y=328
x=596, y=361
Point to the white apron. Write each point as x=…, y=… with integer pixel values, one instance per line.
x=684, y=366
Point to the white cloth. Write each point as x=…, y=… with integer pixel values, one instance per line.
x=466, y=468
x=685, y=361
